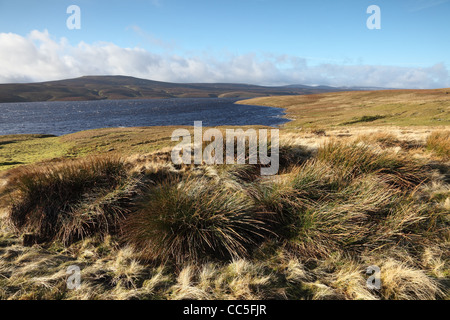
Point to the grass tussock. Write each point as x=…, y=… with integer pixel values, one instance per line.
x=439, y=143
x=72, y=200
x=343, y=223
x=356, y=159
x=402, y=282
x=191, y=219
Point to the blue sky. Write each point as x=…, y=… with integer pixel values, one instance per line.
x=259, y=41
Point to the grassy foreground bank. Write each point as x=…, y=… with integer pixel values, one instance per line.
x=111, y=202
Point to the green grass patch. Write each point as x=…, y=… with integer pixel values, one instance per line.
x=16, y=150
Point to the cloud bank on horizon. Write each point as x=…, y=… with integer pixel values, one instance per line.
x=39, y=57
x=270, y=42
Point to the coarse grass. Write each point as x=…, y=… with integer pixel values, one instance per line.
x=297, y=190
x=348, y=198
x=225, y=232
x=346, y=221
x=439, y=143
x=315, y=180
x=278, y=205
x=355, y=159
x=401, y=281
x=71, y=200
x=249, y=153
x=405, y=108
x=191, y=219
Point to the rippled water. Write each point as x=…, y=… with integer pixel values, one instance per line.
x=60, y=118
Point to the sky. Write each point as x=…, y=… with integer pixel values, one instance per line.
x=266, y=42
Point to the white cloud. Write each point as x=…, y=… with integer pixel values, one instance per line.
x=39, y=57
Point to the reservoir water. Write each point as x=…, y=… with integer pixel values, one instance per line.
x=59, y=118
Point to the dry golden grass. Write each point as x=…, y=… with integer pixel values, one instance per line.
x=402, y=282
x=439, y=143
x=193, y=219
x=345, y=199
x=70, y=200
x=369, y=108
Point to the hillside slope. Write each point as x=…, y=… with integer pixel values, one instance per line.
x=368, y=108
x=121, y=87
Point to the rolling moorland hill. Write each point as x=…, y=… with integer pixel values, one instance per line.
x=367, y=108
x=121, y=87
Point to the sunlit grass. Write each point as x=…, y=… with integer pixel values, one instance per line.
x=142, y=228
x=439, y=143
x=191, y=219
x=394, y=107
x=70, y=201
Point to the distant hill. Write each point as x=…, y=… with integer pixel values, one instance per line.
x=329, y=88
x=121, y=87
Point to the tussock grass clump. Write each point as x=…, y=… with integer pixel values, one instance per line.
x=278, y=206
x=301, y=186
x=191, y=219
x=294, y=192
x=238, y=279
x=345, y=222
x=388, y=140
x=403, y=282
x=71, y=200
x=367, y=214
x=316, y=180
x=357, y=159
x=439, y=142
x=384, y=139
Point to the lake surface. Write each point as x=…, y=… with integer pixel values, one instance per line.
x=60, y=118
